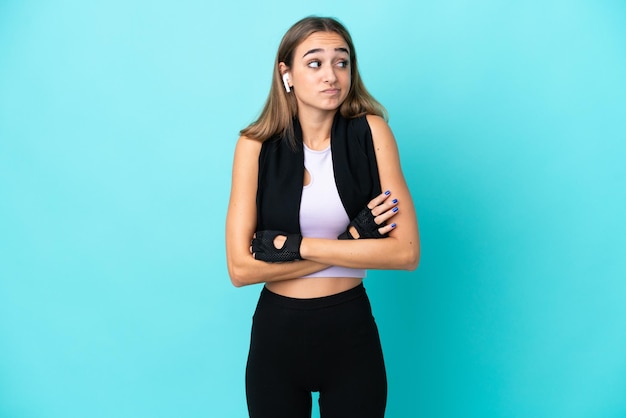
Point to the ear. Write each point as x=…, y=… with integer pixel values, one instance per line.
x=283, y=68
x=286, y=77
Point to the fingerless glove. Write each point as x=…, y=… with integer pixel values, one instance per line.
x=264, y=249
x=364, y=225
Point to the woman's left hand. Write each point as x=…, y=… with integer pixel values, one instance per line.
x=371, y=221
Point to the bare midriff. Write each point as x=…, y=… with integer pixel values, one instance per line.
x=313, y=287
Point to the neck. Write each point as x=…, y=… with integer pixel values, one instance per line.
x=316, y=128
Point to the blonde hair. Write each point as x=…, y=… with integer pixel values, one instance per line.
x=281, y=108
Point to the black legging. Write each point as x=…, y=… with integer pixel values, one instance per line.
x=328, y=345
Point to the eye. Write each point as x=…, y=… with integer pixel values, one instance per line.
x=343, y=63
x=314, y=64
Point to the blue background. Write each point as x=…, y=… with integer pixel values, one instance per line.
x=118, y=122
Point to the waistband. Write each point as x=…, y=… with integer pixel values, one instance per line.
x=313, y=303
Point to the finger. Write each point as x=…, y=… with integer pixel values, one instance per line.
x=385, y=216
x=378, y=199
x=384, y=207
x=387, y=228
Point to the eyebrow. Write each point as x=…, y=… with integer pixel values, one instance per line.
x=314, y=50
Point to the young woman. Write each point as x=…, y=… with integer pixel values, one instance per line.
x=318, y=197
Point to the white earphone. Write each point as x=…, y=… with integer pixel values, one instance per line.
x=286, y=82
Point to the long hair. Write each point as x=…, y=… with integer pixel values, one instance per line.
x=281, y=108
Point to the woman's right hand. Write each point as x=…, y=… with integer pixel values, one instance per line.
x=371, y=221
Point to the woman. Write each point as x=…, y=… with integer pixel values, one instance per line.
x=307, y=216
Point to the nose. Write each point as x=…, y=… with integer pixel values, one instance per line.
x=329, y=75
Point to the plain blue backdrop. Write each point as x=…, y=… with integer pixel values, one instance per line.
x=118, y=122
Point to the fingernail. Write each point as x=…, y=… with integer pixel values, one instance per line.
x=387, y=193
x=395, y=200
x=395, y=209
x=393, y=225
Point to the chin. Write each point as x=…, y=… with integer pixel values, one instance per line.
x=326, y=105
x=333, y=105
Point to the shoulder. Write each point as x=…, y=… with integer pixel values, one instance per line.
x=375, y=120
x=381, y=132
x=377, y=124
x=247, y=145
x=247, y=151
x=247, y=142
x=366, y=126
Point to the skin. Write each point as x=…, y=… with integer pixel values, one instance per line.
x=320, y=79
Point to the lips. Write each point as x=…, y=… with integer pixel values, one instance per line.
x=330, y=91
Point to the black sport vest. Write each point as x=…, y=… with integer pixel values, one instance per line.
x=281, y=174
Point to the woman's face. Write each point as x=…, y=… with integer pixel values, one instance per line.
x=320, y=72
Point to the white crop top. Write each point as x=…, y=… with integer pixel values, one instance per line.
x=322, y=214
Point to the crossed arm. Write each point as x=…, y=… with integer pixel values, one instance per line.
x=400, y=250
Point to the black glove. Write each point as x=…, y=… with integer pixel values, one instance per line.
x=364, y=225
x=264, y=249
